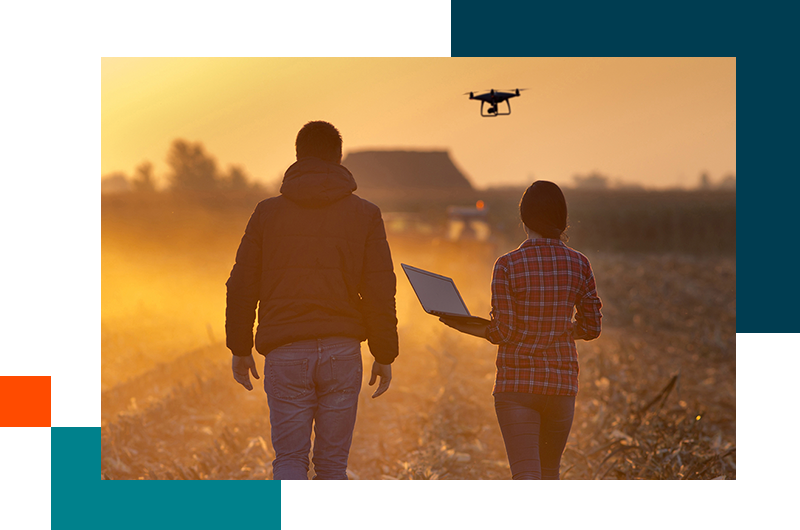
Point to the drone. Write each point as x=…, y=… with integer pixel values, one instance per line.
x=494, y=98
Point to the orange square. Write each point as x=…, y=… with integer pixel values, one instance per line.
x=25, y=401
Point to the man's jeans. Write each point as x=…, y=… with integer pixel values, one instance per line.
x=313, y=382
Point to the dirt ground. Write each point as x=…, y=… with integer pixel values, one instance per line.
x=657, y=397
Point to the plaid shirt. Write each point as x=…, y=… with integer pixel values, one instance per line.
x=536, y=290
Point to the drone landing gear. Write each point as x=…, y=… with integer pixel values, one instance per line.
x=493, y=111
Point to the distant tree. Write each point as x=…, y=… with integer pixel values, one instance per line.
x=116, y=182
x=728, y=182
x=705, y=181
x=236, y=179
x=622, y=185
x=593, y=181
x=143, y=177
x=192, y=168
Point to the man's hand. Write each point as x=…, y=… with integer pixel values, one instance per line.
x=385, y=373
x=241, y=368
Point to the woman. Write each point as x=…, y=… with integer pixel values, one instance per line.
x=543, y=299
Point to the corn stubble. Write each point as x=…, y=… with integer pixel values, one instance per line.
x=657, y=398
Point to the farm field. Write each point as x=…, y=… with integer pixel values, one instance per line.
x=657, y=398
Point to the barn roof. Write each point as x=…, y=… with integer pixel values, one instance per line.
x=405, y=170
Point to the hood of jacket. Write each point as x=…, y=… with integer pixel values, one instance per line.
x=313, y=182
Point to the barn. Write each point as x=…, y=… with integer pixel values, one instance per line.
x=406, y=171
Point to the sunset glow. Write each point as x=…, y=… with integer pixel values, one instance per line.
x=659, y=122
x=185, y=140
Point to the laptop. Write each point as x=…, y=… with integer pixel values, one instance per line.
x=438, y=295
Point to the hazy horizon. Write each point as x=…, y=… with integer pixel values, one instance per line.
x=654, y=122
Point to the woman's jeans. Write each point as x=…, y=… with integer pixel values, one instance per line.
x=313, y=382
x=535, y=429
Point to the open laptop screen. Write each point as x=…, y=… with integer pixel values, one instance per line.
x=436, y=293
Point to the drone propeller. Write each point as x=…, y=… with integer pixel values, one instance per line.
x=495, y=89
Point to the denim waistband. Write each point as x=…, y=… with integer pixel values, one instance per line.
x=324, y=342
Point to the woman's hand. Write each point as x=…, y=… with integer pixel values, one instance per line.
x=470, y=328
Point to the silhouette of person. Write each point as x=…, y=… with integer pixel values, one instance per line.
x=315, y=264
x=536, y=290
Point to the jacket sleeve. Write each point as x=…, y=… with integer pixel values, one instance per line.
x=587, y=316
x=377, y=290
x=243, y=288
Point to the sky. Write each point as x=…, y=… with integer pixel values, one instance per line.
x=658, y=122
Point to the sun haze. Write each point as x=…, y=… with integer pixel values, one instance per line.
x=658, y=122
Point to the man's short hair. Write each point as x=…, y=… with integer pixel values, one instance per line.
x=319, y=139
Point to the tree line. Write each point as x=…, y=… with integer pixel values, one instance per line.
x=598, y=181
x=191, y=168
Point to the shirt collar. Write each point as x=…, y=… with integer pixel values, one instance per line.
x=542, y=241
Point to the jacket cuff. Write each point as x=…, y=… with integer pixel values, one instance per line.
x=384, y=359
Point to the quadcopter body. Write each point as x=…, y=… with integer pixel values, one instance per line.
x=494, y=98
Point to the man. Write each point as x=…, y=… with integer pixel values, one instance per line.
x=316, y=264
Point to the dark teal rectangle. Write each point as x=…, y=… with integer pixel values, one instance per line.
x=767, y=107
x=79, y=499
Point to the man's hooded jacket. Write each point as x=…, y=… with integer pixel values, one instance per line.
x=315, y=263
